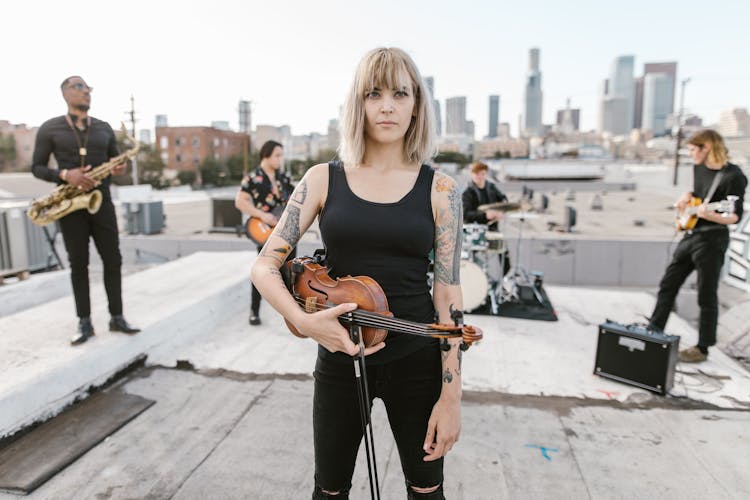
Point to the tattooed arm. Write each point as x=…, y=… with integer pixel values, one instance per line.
x=444, y=425
x=303, y=206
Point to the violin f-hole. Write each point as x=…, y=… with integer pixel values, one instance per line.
x=322, y=292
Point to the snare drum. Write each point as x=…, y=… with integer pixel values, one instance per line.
x=494, y=241
x=474, y=286
x=475, y=237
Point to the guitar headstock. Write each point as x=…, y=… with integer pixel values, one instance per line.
x=727, y=205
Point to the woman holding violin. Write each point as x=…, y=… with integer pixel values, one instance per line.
x=381, y=211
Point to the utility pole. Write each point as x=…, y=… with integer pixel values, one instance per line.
x=679, y=130
x=132, y=122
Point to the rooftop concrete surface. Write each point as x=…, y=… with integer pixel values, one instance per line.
x=233, y=402
x=232, y=418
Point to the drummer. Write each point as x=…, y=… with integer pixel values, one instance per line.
x=480, y=191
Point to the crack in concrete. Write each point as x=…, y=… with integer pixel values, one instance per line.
x=562, y=405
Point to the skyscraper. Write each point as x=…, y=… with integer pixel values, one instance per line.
x=666, y=99
x=532, y=123
x=245, y=118
x=494, y=115
x=568, y=120
x=657, y=102
x=619, y=101
x=455, y=115
x=430, y=83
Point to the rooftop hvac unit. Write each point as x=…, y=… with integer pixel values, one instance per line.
x=23, y=245
x=144, y=217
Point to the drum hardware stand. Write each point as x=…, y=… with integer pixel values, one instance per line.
x=360, y=373
x=516, y=272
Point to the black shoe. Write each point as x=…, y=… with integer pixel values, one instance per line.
x=118, y=324
x=254, y=320
x=85, y=330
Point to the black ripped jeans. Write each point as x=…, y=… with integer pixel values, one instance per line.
x=704, y=253
x=409, y=387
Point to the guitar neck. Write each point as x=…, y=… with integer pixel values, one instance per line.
x=709, y=206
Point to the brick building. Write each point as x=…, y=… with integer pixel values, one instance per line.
x=185, y=148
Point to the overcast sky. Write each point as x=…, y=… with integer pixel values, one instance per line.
x=194, y=60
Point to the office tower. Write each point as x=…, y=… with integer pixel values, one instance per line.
x=430, y=83
x=668, y=68
x=568, y=120
x=657, y=102
x=619, y=101
x=161, y=121
x=455, y=115
x=494, y=115
x=245, y=118
x=734, y=123
x=469, y=128
x=533, y=96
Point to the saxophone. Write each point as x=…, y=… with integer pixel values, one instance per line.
x=67, y=198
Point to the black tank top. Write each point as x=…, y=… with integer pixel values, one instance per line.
x=390, y=242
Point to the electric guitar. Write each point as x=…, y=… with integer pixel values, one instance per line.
x=259, y=231
x=687, y=219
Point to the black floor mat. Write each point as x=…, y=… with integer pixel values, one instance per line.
x=528, y=306
x=33, y=458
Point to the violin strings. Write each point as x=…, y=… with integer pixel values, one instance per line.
x=384, y=322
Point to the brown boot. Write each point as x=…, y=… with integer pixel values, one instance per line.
x=692, y=355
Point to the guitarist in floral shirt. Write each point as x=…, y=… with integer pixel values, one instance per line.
x=263, y=196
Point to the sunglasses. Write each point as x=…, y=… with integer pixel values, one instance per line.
x=80, y=87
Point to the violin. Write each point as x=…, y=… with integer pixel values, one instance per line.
x=314, y=290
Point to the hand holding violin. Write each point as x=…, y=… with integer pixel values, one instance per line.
x=324, y=327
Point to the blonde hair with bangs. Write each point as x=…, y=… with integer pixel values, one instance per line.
x=382, y=68
x=718, y=154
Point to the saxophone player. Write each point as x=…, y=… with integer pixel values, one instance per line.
x=80, y=142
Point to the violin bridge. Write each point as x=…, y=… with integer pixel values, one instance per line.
x=311, y=304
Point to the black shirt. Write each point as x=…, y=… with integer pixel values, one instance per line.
x=733, y=182
x=258, y=186
x=389, y=242
x=56, y=137
x=472, y=197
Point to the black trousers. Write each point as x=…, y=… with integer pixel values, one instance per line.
x=77, y=228
x=255, y=294
x=704, y=253
x=409, y=388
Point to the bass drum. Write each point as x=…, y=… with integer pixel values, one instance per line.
x=474, y=286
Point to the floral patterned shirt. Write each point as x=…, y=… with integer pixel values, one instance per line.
x=258, y=186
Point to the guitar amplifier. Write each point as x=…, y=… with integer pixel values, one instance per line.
x=635, y=355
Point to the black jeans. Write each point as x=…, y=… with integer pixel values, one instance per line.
x=255, y=294
x=77, y=227
x=409, y=388
x=704, y=253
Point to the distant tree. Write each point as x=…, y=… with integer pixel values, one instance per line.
x=8, y=153
x=236, y=168
x=214, y=172
x=452, y=157
x=186, y=177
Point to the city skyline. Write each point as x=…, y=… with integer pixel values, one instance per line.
x=195, y=63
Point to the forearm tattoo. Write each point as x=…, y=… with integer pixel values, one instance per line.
x=278, y=253
x=447, y=375
x=300, y=193
x=448, y=235
x=289, y=230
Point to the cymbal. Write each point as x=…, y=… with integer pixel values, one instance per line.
x=500, y=206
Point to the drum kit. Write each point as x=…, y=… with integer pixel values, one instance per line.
x=484, y=285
